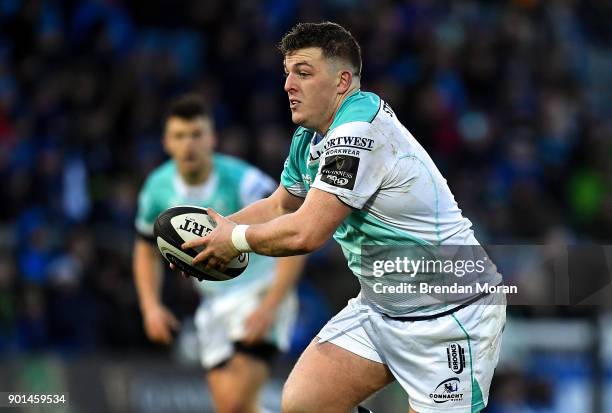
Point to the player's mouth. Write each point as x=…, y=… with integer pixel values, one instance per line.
x=293, y=103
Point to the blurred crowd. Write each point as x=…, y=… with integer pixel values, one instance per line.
x=512, y=99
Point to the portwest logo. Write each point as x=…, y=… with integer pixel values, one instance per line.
x=350, y=142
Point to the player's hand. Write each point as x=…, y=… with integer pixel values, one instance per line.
x=159, y=323
x=173, y=268
x=217, y=247
x=258, y=324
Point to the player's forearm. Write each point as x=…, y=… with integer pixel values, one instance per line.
x=288, y=271
x=300, y=232
x=280, y=203
x=147, y=274
x=258, y=212
x=284, y=236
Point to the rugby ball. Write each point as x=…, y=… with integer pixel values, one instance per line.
x=180, y=224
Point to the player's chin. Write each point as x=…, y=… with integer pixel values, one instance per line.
x=190, y=167
x=297, y=118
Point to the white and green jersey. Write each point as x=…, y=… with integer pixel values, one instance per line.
x=231, y=185
x=370, y=161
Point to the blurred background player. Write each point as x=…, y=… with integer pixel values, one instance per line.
x=241, y=323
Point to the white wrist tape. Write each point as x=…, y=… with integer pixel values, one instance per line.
x=239, y=238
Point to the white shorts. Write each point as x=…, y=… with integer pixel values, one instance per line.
x=220, y=321
x=444, y=364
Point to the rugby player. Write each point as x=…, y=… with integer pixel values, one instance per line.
x=355, y=172
x=242, y=322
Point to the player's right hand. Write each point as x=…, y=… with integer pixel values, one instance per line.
x=159, y=323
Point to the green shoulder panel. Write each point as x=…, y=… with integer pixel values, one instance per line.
x=358, y=107
x=230, y=172
x=230, y=167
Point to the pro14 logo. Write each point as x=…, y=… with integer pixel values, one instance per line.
x=194, y=227
x=456, y=358
x=334, y=180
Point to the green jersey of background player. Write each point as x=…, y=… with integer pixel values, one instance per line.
x=243, y=321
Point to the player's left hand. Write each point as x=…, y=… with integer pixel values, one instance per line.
x=217, y=247
x=258, y=324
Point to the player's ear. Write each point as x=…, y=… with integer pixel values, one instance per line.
x=345, y=79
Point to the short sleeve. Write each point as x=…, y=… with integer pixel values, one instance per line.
x=254, y=186
x=354, y=164
x=291, y=177
x=147, y=212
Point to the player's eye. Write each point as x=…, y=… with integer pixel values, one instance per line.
x=303, y=74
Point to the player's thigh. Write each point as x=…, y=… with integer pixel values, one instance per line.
x=235, y=385
x=328, y=378
x=446, y=363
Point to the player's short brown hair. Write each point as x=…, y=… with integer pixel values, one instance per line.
x=188, y=107
x=334, y=40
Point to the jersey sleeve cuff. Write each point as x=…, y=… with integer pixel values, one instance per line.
x=296, y=189
x=145, y=231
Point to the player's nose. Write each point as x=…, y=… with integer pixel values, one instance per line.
x=289, y=82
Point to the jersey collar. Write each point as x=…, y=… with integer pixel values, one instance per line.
x=196, y=192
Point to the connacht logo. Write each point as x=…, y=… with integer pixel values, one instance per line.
x=447, y=391
x=456, y=358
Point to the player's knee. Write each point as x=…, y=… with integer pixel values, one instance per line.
x=294, y=401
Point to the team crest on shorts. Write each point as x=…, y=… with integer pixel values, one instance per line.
x=456, y=358
x=447, y=391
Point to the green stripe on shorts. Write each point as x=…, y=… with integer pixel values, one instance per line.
x=477, y=401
